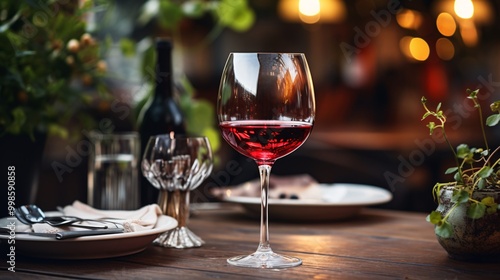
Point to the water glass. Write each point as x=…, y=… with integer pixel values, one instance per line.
x=113, y=171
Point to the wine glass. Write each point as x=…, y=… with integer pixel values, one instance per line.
x=177, y=166
x=266, y=109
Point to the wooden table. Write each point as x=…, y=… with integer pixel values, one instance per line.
x=378, y=244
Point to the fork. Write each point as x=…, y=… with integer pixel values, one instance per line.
x=32, y=214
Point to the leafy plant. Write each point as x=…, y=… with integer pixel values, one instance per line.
x=47, y=64
x=476, y=169
x=169, y=14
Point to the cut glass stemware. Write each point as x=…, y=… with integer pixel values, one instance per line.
x=177, y=166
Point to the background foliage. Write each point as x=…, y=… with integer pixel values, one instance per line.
x=53, y=71
x=47, y=65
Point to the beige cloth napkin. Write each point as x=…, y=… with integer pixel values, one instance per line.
x=132, y=221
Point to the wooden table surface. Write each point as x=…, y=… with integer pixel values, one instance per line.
x=377, y=244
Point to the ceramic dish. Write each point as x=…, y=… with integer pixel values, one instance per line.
x=88, y=247
x=319, y=202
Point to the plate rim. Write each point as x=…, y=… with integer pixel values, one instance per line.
x=387, y=196
x=169, y=223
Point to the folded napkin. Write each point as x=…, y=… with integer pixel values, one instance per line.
x=137, y=220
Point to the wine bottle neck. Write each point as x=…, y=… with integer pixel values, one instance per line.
x=164, y=78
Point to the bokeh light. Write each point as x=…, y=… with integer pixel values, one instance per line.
x=445, y=49
x=464, y=8
x=404, y=46
x=469, y=33
x=309, y=7
x=445, y=24
x=409, y=19
x=419, y=49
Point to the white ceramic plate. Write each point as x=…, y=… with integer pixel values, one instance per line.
x=320, y=202
x=88, y=247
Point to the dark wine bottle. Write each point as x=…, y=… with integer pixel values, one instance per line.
x=161, y=115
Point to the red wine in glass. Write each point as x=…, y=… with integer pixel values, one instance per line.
x=266, y=110
x=265, y=141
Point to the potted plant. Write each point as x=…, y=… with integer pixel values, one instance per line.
x=467, y=220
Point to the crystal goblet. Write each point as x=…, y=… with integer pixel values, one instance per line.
x=177, y=166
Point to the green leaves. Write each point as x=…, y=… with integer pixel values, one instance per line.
x=476, y=210
x=438, y=114
x=461, y=196
x=170, y=14
x=467, y=154
x=127, y=47
x=463, y=151
x=44, y=79
x=431, y=126
x=493, y=120
x=495, y=106
x=485, y=172
x=434, y=218
x=491, y=205
x=445, y=230
x=199, y=114
x=451, y=170
x=194, y=8
x=481, y=184
x=472, y=94
x=442, y=227
x=18, y=120
x=235, y=14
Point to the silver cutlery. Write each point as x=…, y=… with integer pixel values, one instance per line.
x=63, y=234
x=32, y=214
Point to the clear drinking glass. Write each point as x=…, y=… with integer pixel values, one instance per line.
x=266, y=110
x=113, y=171
x=177, y=166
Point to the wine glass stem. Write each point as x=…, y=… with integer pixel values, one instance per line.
x=183, y=213
x=175, y=204
x=264, y=171
x=163, y=201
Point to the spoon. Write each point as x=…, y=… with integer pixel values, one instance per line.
x=32, y=214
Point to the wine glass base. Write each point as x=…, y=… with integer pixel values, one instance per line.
x=180, y=237
x=265, y=260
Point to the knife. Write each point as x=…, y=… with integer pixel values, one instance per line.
x=66, y=234
x=78, y=233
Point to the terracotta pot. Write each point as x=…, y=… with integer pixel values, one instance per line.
x=473, y=239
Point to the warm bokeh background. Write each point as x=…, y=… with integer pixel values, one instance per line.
x=371, y=61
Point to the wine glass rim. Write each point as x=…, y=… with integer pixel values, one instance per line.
x=179, y=137
x=268, y=53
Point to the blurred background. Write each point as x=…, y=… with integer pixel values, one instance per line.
x=371, y=62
